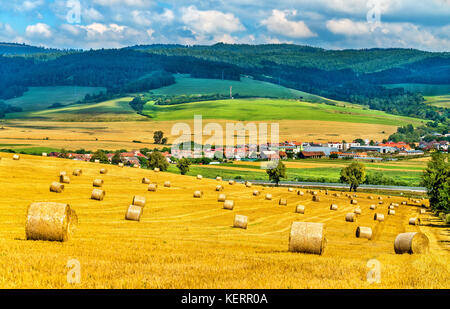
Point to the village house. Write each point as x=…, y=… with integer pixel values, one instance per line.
x=311, y=154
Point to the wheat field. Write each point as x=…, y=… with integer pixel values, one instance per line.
x=182, y=242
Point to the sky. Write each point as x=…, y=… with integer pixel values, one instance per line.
x=331, y=24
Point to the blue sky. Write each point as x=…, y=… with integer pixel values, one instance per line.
x=334, y=24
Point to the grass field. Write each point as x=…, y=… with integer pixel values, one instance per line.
x=439, y=100
x=437, y=95
x=38, y=98
x=182, y=242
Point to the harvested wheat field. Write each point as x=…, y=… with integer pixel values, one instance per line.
x=186, y=242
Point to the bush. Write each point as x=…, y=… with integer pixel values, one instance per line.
x=447, y=219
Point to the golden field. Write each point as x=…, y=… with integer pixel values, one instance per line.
x=182, y=242
x=118, y=135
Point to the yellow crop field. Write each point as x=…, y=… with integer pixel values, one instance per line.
x=187, y=242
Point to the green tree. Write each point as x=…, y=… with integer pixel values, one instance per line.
x=101, y=156
x=164, y=141
x=183, y=165
x=276, y=173
x=158, y=136
x=436, y=178
x=156, y=159
x=117, y=158
x=354, y=175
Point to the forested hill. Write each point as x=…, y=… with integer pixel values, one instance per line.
x=23, y=49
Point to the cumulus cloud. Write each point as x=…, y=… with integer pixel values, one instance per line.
x=278, y=23
x=347, y=27
x=38, y=30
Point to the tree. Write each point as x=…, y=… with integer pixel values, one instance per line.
x=63, y=154
x=101, y=156
x=157, y=136
x=156, y=159
x=436, y=178
x=183, y=165
x=275, y=174
x=164, y=141
x=117, y=158
x=354, y=175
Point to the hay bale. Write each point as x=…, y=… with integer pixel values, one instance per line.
x=152, y=187
x=228, y=204
x=97, y=194
x=156, y=169
x=136, y=166
x=394, y=204
x=300, y=209
x=134, y=213
x=307, y=237
x=357, y=211
x=103, y=171
x=231, y=182
x=240, y=221
x=248, y=184
x=64, y=179
x=198, y=194
x=391, y=207
x=50, y=221
x=364, y=232
x=378, y=217
x=350, y=217
x=422, y=211
x=268, y=196
x=414, y=221
x=167, y=184
x=97, y=183
x=77, y=172
x=44, y=154
x=219, y=188
x=138, y=201
x=370, y=197
x=199, y=177
x=314, y=193
x=120, y=164
x=97, y=161
x=290, y=189
x=391, y=212
x=16, y=157
x=256, y=193
x=412, y=243
x=380, y=202
x=380, y=198
x=56, y=187
x=333, y=207
x=221, y=198
x=315, y=198
x=282, y=202
x=62, y=173
x=300, y=193
x=404, y=203
x=146, y=180
x=218, y=178
x=354, y=202
x=373, y=206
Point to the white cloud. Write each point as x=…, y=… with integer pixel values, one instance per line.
x=347, y=27
x=92, y=14
x=38, y=30
x=279, y=24
x=135, y=3
x=29, y=5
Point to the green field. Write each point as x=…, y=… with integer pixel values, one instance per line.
x=437, y=95
x=272, y=109
x=439, y=100
x=38, y=98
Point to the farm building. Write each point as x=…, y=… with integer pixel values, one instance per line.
x=311, y=154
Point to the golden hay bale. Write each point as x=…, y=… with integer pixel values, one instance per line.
x=64, y=179
x=394, y=204
x=50, y=221
x=333, y=207
x=228, y=204
x=370, y=197
x=221, y=198
x=138, y=201
x=350, y=217
x=422, y=211
x=364, y=232
x=300, y=209
x=231, y=182
x=240, y=221
x=199, y=177
x=103, y=171
x=77, y=172
x=136, y=166
x=380, y=202
x=268, y=196
x=300, y=193
x=391, y=212
x=307, y=237
x=380, y=198
x=120, y=164
x=412, y=243
x=156, y=169
x=146, y=180
x=16, y=157
x=373, y=206
x=391, y=207
x=357, y=211
x=389, y=196
x=248, y=184
x=44, y=154
x=97, y=194
x=290, y=190
x=404, y=203
x=56, y=187
x=378, y=217
x=97, y=161
x=414, y=221
x=218, y=178
x=219, y=188
x=256, y=193
x=314, y=193
x=152, y=187
x=282, y=202
x=198, y=194
x=134, y=213
x=354, y=202
x=97, y=183
x=315, y=198
x=62, y=173
x=167, y=184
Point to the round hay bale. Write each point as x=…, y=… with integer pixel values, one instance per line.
x=389, y=196
x=300, y=209
x=167, y=184
x=56, y=187
x=221, y=198
x=350, y=217
x=156, y=169
x=290, y=189
x=152, y=187
x=248, y=184
x=333, y=207
x=240, y=221
x=404, y=203
x=414, y=221
x=198, y=194
x=63, y=173
x=138, y=201
x=134, y=213
x=315, y=198
x=370, y=197
x=300, y=193
x=357, y=211
x=199, y=177
x=412, y=243
x=97, y=183
x=364, y=232
x=97, y=194
x=218, y=178
x=354, y=202
x=307, y=237
x=228, y=204
x=391, y=207
x=391, y=212
x=50, y=221
x=380, y=198
x=380, y=202
x=44, y=154
x=64, y=179
x=77, y=172
x=314, y=193
x=268, y=196
x=16, y=157
x=146, y=180
x=378, y=217
x=120, y=164
x=256, y=193
x=219, y=188
x=394, y=204
x=373, y=206
x=282, y=202
x=96, y=161
x=422, y=211
x=103, y=171
x=231, y=182
x=136, y=166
